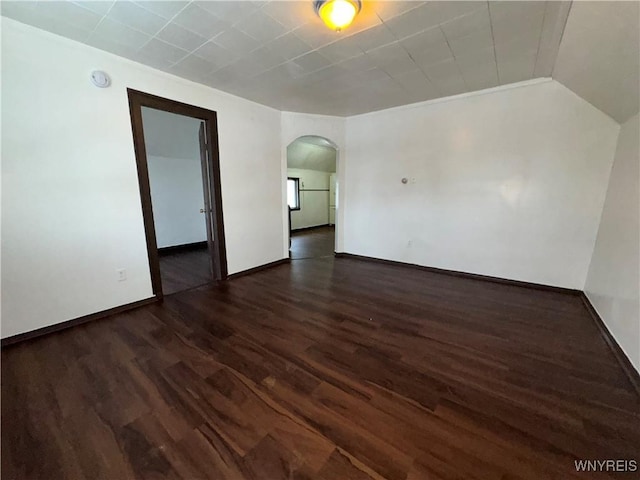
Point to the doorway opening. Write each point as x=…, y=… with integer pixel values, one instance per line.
x=311, y=197
x=176, y=148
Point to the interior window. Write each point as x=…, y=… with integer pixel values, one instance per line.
x=293, y=193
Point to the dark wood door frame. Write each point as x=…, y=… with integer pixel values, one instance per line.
x=137, y=100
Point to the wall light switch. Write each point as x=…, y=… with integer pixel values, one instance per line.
x=122, y=274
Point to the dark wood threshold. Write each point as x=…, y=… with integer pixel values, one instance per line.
x=632, y=374
x=259, y=268
x=182, y=248
x=455, y=273
x=305, y=229
x=23, y=337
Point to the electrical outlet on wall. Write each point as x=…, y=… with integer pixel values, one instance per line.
x=122, y=274
x=409, y=243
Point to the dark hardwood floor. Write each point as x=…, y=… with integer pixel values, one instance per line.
x=323, y=369
x=313, y=243
x=183, y=270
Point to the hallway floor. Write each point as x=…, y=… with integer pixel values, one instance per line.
x=313, y=243
x=183, y=270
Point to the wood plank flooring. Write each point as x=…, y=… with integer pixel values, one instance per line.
x=323, y=369
x=313, y=243
x=183, y=270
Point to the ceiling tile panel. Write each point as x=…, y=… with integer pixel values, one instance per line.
x=413, y=81
x=315, y=34
x=200, y=21
x=516, y=69
x=476, y=59
x=360, y=63
x=447, y=10
x=516, y=48
x=60, y=27
x=261, y=26
x=136, y=17
x=193, y=67
x=163, y=51
x=181, y=37
x=417, y=44
x=164, y=8
x=373, y=75
x=312, y=61
x=374, y=37
x=293, y=70
x=26, y=12
x=389, y=9
x=112, y=46
x=265, y=58
x=442, y=70
x=17, y=10
x=481, y=81
x=156, y=63
x=481, y=76
x=236, y=41
x=214, y=53
x=69, y=13
x=507, y=10
x=289, y=46
x=397, y=66
x=413, y=21
x=331, y=75
x=387, y=54
x=99, y=7
x=468, y=24
x=515, y=24
x=452, y=85
x=291, y=14
x=279, y=76
x=246, y=67
x=341, y=50
x=479, y=40
x=433, y=55
x=117, y=32
x=231, y=11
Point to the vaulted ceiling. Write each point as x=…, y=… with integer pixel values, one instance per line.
x=279, y=53
x=312, y=153
x=599, y=57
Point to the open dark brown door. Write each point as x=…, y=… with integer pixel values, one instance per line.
x=207, y=171
x=210, y=160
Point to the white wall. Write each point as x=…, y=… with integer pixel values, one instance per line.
x=509, y=184
x=295, y=125
x=71, y=212
x=314, y=198
x=613, y=284
x=176, y=195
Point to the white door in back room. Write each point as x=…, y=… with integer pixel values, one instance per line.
x=332, y=199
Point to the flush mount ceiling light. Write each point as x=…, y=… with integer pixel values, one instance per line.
x=337, y=14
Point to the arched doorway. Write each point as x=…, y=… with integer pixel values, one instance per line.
x=311, y=196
